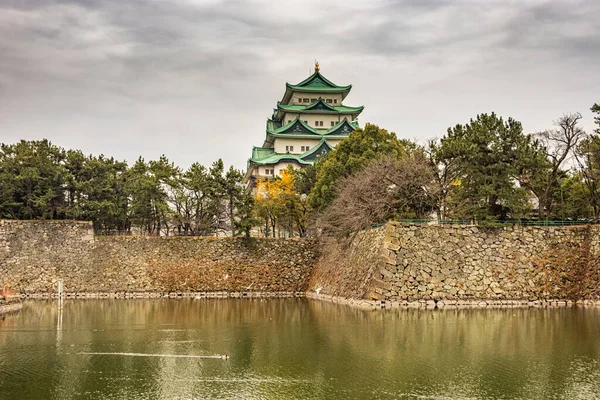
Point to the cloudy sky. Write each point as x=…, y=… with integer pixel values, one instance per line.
x=196, y=80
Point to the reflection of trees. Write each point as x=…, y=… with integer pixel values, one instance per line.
x=310, y=348
x=486, y=353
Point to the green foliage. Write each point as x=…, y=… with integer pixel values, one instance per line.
x=588, y=158
x=234, y=193
x=96, y=190
x=486, y=152
x=148, y=206
x=246, y=218
x=596, y=110
x=193, y=202
x=41, y=181
x=349, y=157
x=31, y=180
x=306, y=178
x=572, y=200
x=486, y=170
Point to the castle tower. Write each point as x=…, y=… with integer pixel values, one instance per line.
x=309, y=121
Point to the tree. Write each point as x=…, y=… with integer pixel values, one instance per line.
x=147, y=189
x=386, y=188
x=95, y=189
x=266, y=202
x=572, y=199
x=202, y=208
x=218, y=195
x=486, y=151
x=349, y=157
x=234, y=196
x=587, y=155
x=446, y=171
x=596, y=110
x=246, y=219
x=306, y=178
x=543, y=178
x=280, y=207
x=32, y=180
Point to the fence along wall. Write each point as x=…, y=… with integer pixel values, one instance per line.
x=407, y=263
x=34, y=254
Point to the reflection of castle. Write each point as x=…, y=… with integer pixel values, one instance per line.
x=309, y=121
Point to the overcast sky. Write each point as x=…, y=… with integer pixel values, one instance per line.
x=196, y=80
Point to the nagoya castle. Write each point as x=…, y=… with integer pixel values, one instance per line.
x=308, y=122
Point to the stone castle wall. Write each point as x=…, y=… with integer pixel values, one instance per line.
x=35, y=254
x=402, y=263
x=393, y=264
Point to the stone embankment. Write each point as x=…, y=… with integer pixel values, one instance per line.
x=396, y=265
x=36, y=254
x=452, y=304
x=401, y=265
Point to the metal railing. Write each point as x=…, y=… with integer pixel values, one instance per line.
x=498, y=222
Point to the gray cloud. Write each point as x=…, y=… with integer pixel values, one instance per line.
x=196, y=79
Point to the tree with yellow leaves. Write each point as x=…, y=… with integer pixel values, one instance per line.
x=281, y=209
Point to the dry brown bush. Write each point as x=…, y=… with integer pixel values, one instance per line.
x=386, y=188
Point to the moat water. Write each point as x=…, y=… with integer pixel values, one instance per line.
x=294, y=349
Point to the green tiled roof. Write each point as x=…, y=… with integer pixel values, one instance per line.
x=261, y=152
x=315, y=83
x=272, y=125
x=305, y=158
x=317, y=107
x=318, y=82
x=276, y=158
x=298, y=129
x=320, y=149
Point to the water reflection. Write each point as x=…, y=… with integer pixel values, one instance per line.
x=295, y=348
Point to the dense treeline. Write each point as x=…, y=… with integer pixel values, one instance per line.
x=485, y=171
x=39, y=180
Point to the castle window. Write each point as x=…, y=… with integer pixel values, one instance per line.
x=316, y=123
x=306, y=122
x=289, y=148
x=320, y=123
x=332, y=123
x=335, y=101
x=329, y=101
x=313, y=100
x=305, y=100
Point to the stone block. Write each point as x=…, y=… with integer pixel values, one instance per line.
x=378, y=283
x=388, y=260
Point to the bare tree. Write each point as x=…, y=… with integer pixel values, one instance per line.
x=560, y=144
x=385, y=189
